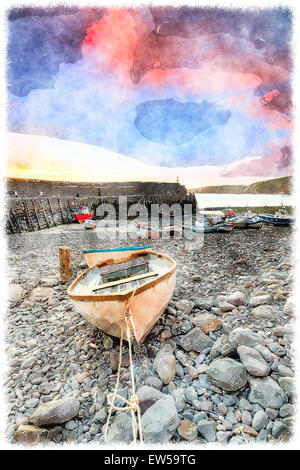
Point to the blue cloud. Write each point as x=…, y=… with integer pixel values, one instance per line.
x=172, y=123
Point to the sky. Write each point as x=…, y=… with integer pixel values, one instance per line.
x=152, y=92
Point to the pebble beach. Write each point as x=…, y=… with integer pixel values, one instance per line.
x=216, y=368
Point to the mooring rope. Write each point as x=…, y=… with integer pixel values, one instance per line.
x=133, y=403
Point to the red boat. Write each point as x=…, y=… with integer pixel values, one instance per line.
x=229, y=213
x=83, y=215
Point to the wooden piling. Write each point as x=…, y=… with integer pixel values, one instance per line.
x=64, y=263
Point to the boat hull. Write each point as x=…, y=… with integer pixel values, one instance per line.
x=98, y=256
x=81, y=218
x=225, y=228
x=145, y=307
x=255, y=225
x=277, y=220
x=107, y=312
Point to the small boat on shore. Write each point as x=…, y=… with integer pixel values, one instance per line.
x=150, y=232
x=211, y=224
x=97, y=256
x=89, y=224
x=83, y=215
x=244, y=221
x=275, y=220
x=143, y=283
x=238, y=221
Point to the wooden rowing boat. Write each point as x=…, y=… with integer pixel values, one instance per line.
x=97, y=256
x=144, y=281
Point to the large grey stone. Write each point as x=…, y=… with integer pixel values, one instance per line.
x=286, y=410
x=50, y=281
x=260, y=300
x=266, y=393
x=41, y=293
x=278, y=428
x=195, y=340
x=206, y=302
x=186, y=306
x=277, y=349
x=227, y=373
x=153, y=381
x=237, y=298
x=179, y=397
x=253, y=361
x=165, y=364
x=287, y=384
x=207, y=430
x=260, y=420
x=190, y=394
x=264, y=311
x=101, y=415
x=245, y=337
x=289, y=306
x=121, y=430
x=285, y=371
x=265, y=353
x=148, y=396
x=55, y=412
x=218, y=345
x=160, y=421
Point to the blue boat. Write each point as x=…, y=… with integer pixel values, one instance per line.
x=280, y=217
x=208, y=227
x=275, y=220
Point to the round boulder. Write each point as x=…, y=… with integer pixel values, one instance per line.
x=227, y=374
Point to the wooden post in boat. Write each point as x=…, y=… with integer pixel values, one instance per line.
x=64, y=263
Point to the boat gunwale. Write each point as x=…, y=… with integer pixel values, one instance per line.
x=126, y=248
x=128, y=293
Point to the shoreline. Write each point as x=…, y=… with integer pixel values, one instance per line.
x=53, y=354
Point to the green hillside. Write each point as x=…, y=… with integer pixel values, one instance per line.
x=275, y=186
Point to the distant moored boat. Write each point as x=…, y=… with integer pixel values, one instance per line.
x=280, y=217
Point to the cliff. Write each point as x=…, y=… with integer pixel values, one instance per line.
x=274, y=186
